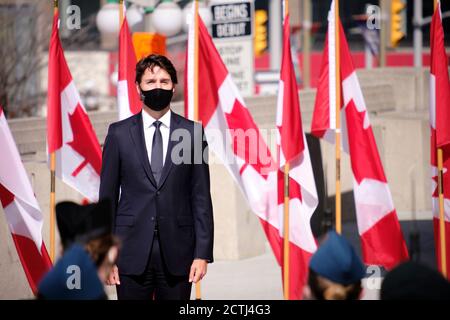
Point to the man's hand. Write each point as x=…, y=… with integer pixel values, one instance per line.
x=198, y=270
x=113, y=278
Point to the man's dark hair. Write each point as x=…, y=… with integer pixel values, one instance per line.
x=155, y=60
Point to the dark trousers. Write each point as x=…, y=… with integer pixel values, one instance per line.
x=155, y=283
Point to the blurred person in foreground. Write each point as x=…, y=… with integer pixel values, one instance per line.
x=413, y=281
x=335, y=271
x=89, y=253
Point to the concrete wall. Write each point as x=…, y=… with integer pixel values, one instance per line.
x=90, y=70
x=396, y=103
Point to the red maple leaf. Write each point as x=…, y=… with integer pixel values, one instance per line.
x=446, y=183
x=85, y=141
x=252, y=149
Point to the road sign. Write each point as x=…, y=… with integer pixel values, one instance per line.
x=232, y=32
x=232, y=20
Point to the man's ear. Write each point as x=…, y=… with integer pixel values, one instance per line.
x=138, y=89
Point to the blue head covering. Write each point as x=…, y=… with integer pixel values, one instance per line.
x=337, y=261
x=61, y=283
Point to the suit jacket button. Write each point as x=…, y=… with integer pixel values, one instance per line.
x=153, y=218
x=158, y=192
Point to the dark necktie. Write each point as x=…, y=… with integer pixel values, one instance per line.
x=157, y=152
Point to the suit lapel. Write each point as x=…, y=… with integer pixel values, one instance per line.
x=174, y=124
x=137, y=135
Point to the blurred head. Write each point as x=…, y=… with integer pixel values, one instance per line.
x=335, y=270
x=91, y=227
x=104, y=252
x=321, y=288
x=411, y=280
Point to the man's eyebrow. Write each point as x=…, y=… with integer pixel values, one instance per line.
x=155, y=79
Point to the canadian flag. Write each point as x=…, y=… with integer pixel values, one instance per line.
x=381, y=236
x=232, y=134
x=293, y=149
x=440, y=129
x=69, y=132
x=22, y=211
x=128, y=98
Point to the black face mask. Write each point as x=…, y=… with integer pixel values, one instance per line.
x=157, y=99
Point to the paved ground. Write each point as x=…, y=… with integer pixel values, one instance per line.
x=257, y=278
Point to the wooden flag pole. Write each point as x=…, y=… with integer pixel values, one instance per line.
x=52, y=205
x=338, y=121
x=441, y=212
x=286, y=232
x=286, y=209
x=120, y=13
x=440, y=160
x=53, y=185
x=198, y=292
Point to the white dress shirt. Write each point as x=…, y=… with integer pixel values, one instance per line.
x=149, y=131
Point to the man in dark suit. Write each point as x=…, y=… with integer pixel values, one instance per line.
x=155, y=172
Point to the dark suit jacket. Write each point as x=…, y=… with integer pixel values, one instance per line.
x=180, y=204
